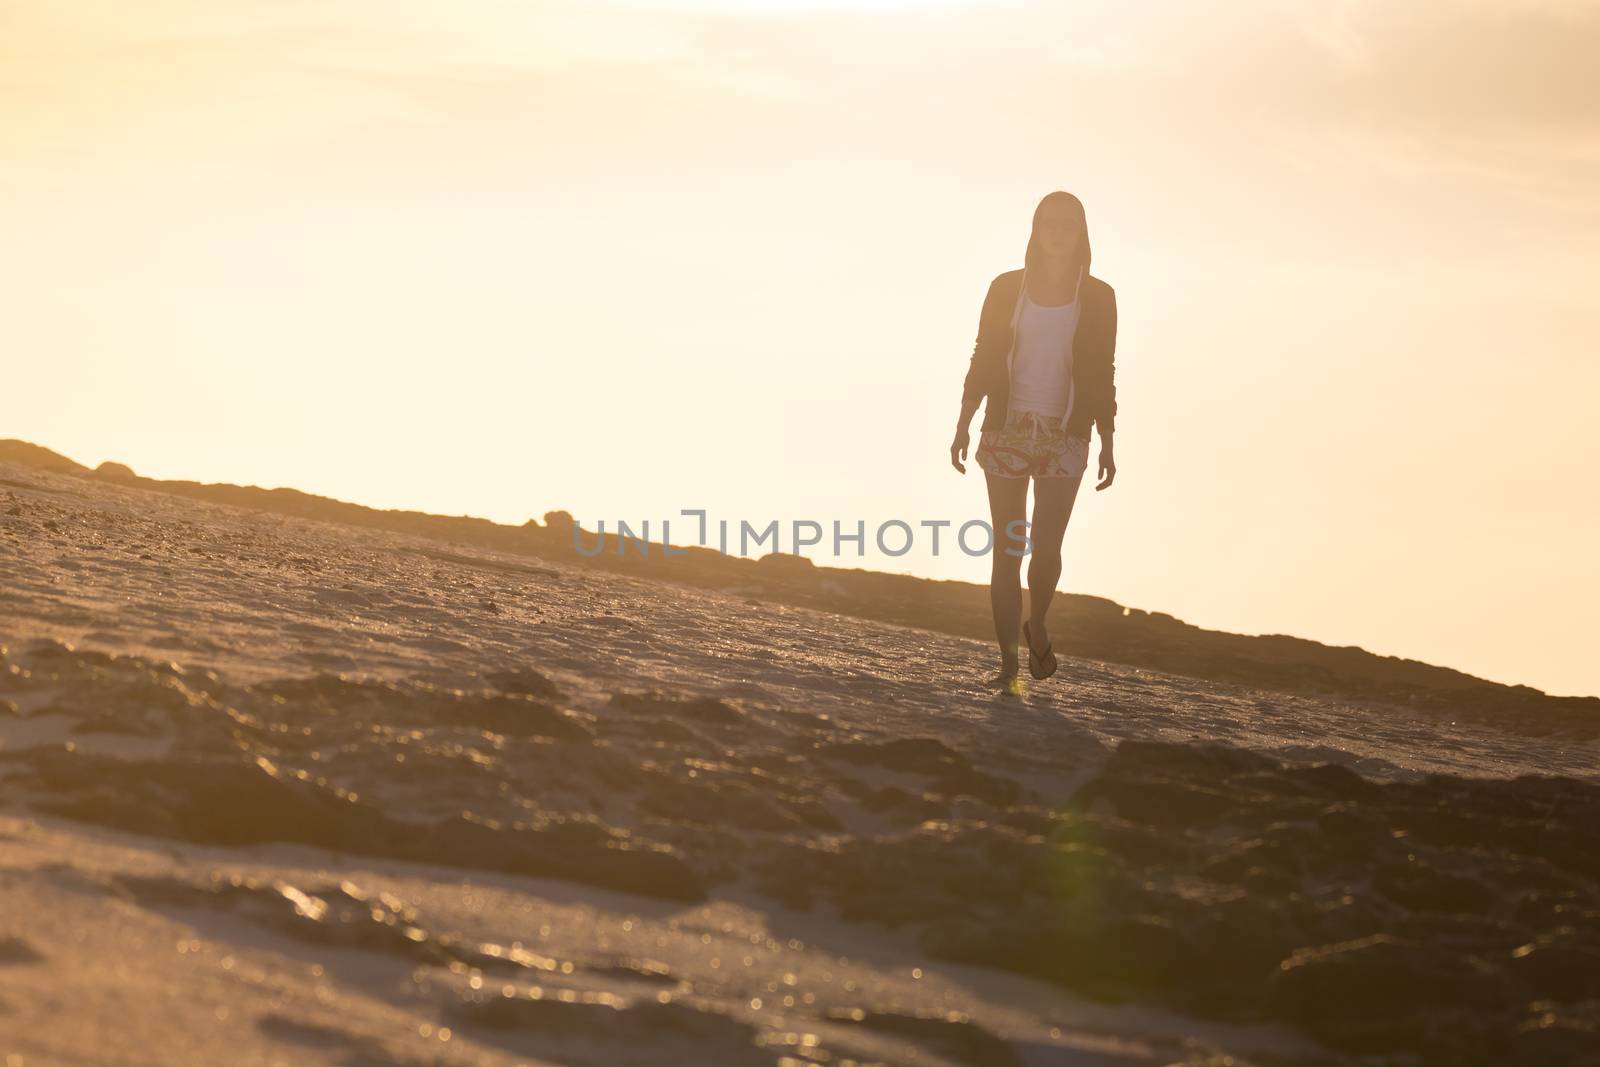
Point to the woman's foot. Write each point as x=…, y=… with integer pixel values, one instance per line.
x=1007, y=679
x=1040, y=664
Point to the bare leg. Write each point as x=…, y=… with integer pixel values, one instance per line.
x=1008, y=503
x=1052, y=507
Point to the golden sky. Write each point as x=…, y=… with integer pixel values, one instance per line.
x=625, y=258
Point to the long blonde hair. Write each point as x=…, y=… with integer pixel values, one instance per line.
x=1083, y=256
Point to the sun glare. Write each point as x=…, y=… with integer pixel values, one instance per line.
x=792, y=7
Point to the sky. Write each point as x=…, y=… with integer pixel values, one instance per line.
x=627, y=258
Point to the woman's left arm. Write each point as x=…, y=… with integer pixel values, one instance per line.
x=1108, y=410
x=1107, y=416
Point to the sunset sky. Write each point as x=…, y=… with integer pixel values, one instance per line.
x=499, y=257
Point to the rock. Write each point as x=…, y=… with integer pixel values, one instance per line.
x=115, y=472
x=958, y=1038
x=515, y=715
x=15, y=951
x=525, y=682
x=1372, y=994
x=1562, y=965
x=657, y=703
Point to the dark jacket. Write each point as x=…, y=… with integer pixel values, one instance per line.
x=1093, y=347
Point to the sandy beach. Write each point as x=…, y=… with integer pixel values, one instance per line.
x=285, y=791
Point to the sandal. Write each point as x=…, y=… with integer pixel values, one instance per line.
x=1047, y=661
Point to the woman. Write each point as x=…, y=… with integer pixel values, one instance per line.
x=1046, y=338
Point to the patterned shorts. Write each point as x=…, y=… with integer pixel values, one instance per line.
x=1032, y=444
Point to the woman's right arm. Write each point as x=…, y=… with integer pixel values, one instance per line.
x=976, y=386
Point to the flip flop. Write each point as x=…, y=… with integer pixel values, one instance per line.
x=1047, y=661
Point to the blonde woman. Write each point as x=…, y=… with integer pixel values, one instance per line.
x=1044, y=361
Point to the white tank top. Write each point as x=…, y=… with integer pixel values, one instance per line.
x=1041, y=369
